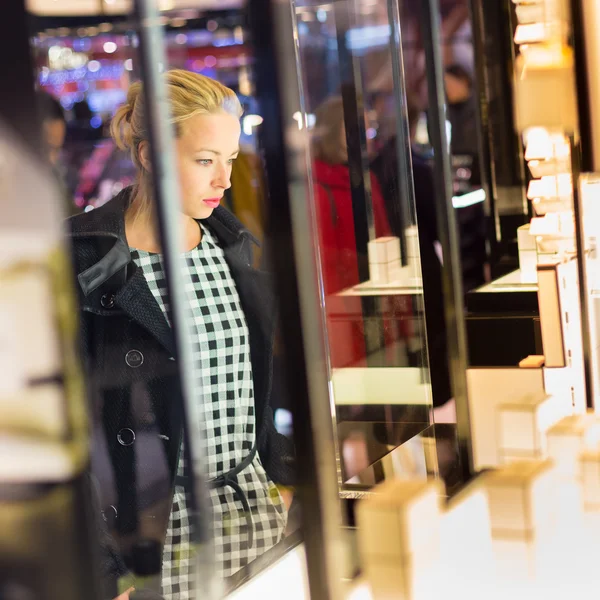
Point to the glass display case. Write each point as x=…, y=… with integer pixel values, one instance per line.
x=159, y=466
x=362, y=200
x=262, y=412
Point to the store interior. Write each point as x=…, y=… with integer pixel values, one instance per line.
x=419, y=182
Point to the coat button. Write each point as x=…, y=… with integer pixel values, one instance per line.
x=110, y=516
x=126, y=436
x=107, y=300
x=134, y=359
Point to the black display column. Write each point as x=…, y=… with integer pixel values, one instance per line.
x=17, y=100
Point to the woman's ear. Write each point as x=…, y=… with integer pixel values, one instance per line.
x=144, y=156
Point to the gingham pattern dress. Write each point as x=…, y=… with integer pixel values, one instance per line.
x=224, y=374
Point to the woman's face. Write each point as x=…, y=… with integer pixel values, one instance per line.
x=206, y=149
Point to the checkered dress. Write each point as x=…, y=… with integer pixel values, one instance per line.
x=224, y=373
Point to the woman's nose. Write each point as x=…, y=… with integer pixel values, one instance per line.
x=223, y=178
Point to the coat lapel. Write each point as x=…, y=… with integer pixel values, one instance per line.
x=113, y=272
x=136, y=300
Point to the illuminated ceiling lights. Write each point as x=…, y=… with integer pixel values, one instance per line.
x=109, y=47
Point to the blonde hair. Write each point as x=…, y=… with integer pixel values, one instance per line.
x=190, y=94
x=327, y=142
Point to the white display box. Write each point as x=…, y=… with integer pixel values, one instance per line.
x=532, y=33
x=488, y=388
x=544, y=168
x=551, y=314
x=530, y=13
x=467, y=560
x=590, y=475
x=400, y=520
x=537, y=79
x=559, y=187
x=521, y=561
x=557, y=382
x=521, y=498
x=413, y=580
x=385, y=272
x=547, y=10
x=544, y=145
x=523, y=424
x=412, y=242
x=569, y=438
x=528, y=265
x=384, y=250
x=525, y=240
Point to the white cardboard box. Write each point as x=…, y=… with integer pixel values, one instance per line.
x=523, y=423
x=488, y=388
x=385, y=272
x=384, y=250
x=536, y=80
x=401, y=519
x=467, y=560
x=569, y=438
x=521, y=498
x=413, y=580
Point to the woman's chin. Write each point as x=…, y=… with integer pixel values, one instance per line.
x=202, y=212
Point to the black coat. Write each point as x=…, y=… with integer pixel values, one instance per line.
x=128, y=354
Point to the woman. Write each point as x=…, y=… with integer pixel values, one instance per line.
x=129, y=349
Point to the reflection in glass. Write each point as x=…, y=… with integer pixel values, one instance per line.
x=128, y=344
x=368, y=242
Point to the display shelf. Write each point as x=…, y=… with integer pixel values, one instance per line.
x=394, y=288
x=385, y=385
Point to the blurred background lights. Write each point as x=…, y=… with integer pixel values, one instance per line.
x=249, y=122
x=110, y=47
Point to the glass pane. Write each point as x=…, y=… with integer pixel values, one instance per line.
x=87, y=69
x=367, y=239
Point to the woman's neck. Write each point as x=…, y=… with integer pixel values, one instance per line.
x=141, y=228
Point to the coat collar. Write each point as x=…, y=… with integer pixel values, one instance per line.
x=108, y=222
x=112, y=271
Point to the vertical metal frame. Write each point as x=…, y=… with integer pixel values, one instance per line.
x=167, y=201
x=584, y=157
x=502, y=150
x=580, y=45
x=293, y=259
x=406, y=185
x=406, y=189
x=356, y=138
x=451, y=273
x=18, y=107
x=483, y=133
x=586, y=342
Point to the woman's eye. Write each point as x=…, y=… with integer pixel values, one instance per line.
x=205, y=162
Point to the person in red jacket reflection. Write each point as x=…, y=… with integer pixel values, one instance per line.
x=337, y=242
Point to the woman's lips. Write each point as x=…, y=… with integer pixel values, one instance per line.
x=212, y=202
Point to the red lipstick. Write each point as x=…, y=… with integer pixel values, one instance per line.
x=212, y=202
